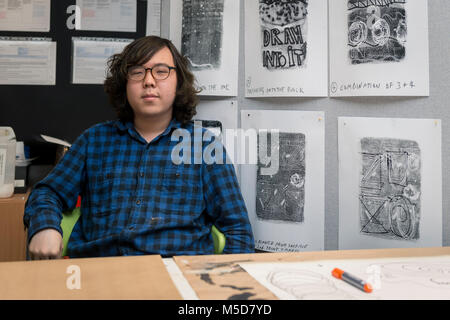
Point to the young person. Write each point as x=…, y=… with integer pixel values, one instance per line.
x=135, y=198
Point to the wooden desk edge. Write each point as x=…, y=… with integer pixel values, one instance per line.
x=321, y=255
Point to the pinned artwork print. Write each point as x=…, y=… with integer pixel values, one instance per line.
x=379, y=48
x=390, y=183
x=201, y=41
x=282, y=196
x=204, y=31
x=390, y=188
x=286, y=48
x=283, y=188
x=376, y=32
x=284, y=33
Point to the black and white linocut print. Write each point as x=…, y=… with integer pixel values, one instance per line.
x=283, y=33
x=390, y=188
x=215, y=126
x=202, y=33
x=377, y=31
x=282, y=196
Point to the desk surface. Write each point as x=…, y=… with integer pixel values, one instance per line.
x=140, y=277
x=146, y=277
x=221, y=277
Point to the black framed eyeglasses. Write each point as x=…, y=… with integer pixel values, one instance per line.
x=159, y=72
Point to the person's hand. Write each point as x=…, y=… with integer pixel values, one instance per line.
x=46, y=244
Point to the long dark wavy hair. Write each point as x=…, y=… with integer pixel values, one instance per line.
x=138, y=53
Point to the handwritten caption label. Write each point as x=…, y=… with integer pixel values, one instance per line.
x=277, y=246
x=384, y=85
x=214, y=87
x=282, y=90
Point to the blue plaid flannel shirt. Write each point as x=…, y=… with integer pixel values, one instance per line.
x=135, y=200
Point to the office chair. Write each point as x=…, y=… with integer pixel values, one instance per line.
x=70, y=218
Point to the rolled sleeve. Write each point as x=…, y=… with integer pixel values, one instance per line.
x=57, y=192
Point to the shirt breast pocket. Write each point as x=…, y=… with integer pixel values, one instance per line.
x=180, y=183
x=105, y=192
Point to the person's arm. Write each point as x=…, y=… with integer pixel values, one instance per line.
x=226, y=206
x=52, y=196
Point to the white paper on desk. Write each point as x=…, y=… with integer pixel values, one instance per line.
x=220, y=116
x=379, y=50
x=183, y=286
x=286, y=49
x=286, y=208
x=390, y=183
x=21, y=15
x=153, y=18
x=207, y=33
x=100, y=15
x=391, y=278
x=28, y=62
x=90, y=57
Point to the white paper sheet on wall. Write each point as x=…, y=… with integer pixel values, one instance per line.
x=286, y=48
x=220, y=117
x=28, y=62
x=391, y=278
x=224, y=111
x=98, y=15
x=90, y=58
x=206, y=32
x=153, y=27
x=284, y=183
x=31, y=15
x=390, y=183
x=379, y=50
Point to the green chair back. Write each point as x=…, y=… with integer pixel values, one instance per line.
x=219, y=240
x=67, y=223
x=70, y=218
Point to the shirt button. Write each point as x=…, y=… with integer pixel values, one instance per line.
x=138, y=202
x=141, y=174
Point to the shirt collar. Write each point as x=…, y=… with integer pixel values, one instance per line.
x=123, y=126
x=129, y=126
x=174, y=124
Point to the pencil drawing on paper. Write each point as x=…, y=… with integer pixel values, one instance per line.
x=306, y=284
x=283, y=33
x=390, y=188
x=377, y=31
x=282, y=196
x=202, y=32
x=431, y=275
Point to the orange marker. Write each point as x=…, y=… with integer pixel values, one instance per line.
x=356, y=282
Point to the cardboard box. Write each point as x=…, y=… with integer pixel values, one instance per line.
x=13, y=236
